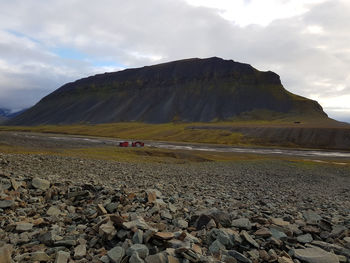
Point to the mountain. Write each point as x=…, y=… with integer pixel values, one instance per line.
x=190, y=90
x=6, y=114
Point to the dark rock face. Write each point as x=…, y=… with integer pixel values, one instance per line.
x=187, y=90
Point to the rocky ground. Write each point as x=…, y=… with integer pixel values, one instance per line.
x=65, y=209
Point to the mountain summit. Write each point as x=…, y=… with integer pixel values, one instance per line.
x=189, y=90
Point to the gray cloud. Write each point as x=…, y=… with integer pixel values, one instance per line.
x=135, y=33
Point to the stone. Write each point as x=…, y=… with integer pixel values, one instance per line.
x=157, y=258
x=47, y=238
x=166, y=215
x=151, y=196
x=135, y=258
x=190, y=255
x=284, y=260
x=80, y=251
x=101, y=210
x=202, y=221
x=66, y=243
x=138, y=237
x=15, y=184
x=164, y=235
x=277, y=234
x=263, y=232
x=311, y=217
x=307, y=238
x=116, y=254
x=22, y=226
x=41, y=184
x=216, y=247
x=105, y=259
x=172, y=259
x=6, y=203
x=279, y=222
x=111, y=207
x=139, y=223
x=39, y=256
x=5, y=254
x=5, y=184
x=53, y=211
x=240, y=257
x=180, y=223
x=249, y=239
x=107, y=230
x=62, y=257
x=140, y=249
x=242, y=223
x=342, y=259
x=315, y=255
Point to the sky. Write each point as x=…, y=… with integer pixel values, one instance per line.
x=47, y=43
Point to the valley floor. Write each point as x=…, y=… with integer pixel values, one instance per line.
x=270, y=208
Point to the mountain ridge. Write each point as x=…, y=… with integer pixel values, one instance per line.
x=190, y=90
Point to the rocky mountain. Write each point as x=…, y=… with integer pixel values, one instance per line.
x=188, y=90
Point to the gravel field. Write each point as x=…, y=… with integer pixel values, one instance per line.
x=103, y=211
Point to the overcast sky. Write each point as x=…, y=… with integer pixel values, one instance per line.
x=46, y=43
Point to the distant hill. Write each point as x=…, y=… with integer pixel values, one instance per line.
x=6, y=114
x=192, y=90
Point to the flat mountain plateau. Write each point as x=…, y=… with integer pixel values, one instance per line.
x=64, y=201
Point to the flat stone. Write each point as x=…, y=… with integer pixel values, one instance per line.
x=15, y=184
x=66, y=243
x=108, y=230
x=166, y=215
x=80, y=251
x=315, y=255
x=47, y=238
x=5, y=254
x=135, y=258
x=240, y=257
x=39, y=256
x=116, y=254
x=41, y=184
x=6, y=203
x=140, y=249
x=242, y=223
x=172, y=259
x=277, y=234
x=312, y=217
x=180, y=223
x=139, y=223
x=138, y=237
x=216, y=247
x=5, y=184
x=53, y=211
x=62, y=257
x=21, y=227
x=307, y=238
x=157, y=258
x=284, y=260
x=249, y=239
x=151, y=196
x=164, y=235
x=101, y=209
x=263, y=232
x=279, y=222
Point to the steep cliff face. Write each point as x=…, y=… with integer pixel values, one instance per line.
x=188, y=90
